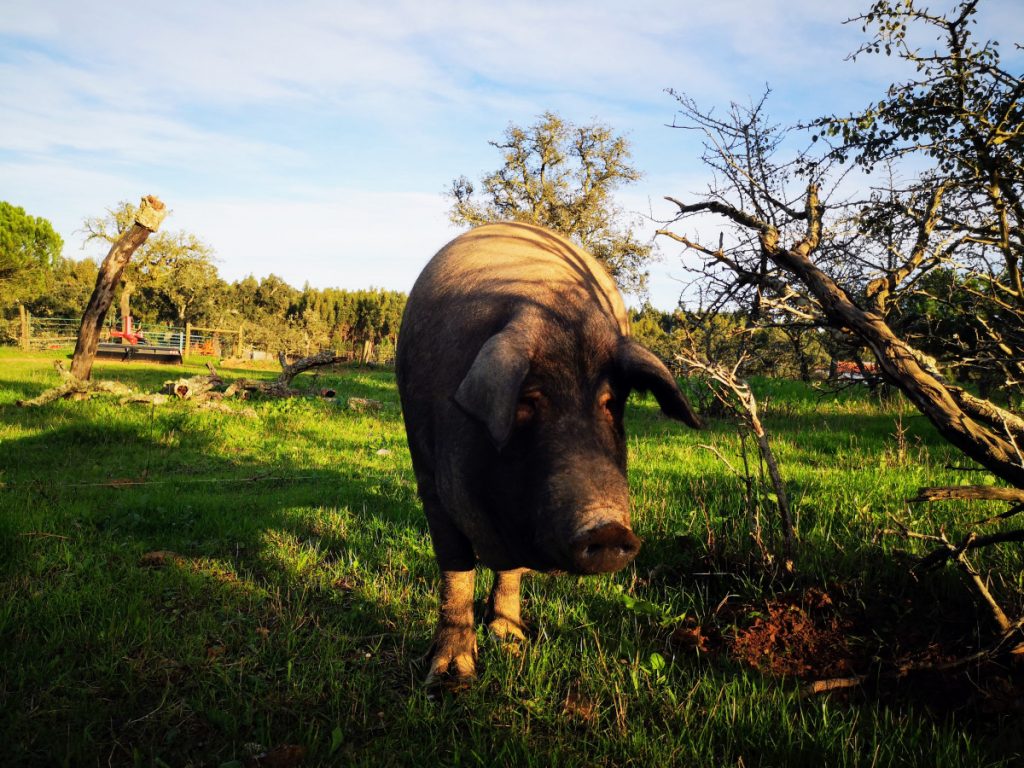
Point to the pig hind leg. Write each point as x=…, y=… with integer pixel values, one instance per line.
x=503, y=612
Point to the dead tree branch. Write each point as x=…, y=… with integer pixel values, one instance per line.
x=979, y=492
x=735, y=394
x=75, y=389
x=281, y=386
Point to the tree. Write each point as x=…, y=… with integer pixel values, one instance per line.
x=562, y=176
x=191, y=288
x=66, y=289
x=164, y=256
x=29, y=249
x=963, y=114
x=795, y=254
x=148, y=217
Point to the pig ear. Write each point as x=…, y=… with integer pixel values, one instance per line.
x=647, y=373
x=490, y=391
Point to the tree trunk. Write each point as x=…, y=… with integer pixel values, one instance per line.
x=895, y=357
x=997, y=451
x=151, y=212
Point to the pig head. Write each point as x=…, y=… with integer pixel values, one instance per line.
x=514, y=365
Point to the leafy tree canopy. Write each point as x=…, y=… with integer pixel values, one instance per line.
x=561, y=176
x=29, y=248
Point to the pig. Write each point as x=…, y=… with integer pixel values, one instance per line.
x=514, y=363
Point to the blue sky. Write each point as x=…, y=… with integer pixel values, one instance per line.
x=314, y=139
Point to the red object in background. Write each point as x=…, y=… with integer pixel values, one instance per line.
x=848, y=369
x=128, y=332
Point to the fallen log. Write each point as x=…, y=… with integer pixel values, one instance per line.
x=281, y=386
x=200, y=386
x=76, y=389
x=205, y=388
x=982, y=492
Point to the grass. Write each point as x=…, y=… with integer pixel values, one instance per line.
x=186, y=587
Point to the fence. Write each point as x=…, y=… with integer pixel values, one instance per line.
x=48, y=332
x=41, y=333
x=38, y=333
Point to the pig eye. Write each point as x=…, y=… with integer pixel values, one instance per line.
x=526, y=408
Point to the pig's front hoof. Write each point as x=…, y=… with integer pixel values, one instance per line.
x=507, y=630
x=452, y=657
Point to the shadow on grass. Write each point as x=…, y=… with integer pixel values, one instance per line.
x=165, y=598
x=261, y=613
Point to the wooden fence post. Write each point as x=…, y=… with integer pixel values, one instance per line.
x=23, y=314
x=188, y=338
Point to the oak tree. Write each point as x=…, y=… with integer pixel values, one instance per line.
x=562, y=176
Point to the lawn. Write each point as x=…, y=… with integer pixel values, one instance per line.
x=182, y=587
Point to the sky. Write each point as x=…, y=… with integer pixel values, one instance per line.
x=314, y=139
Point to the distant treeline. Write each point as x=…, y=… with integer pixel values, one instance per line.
x=276, y=316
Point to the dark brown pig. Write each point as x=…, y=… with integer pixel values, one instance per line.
x=514, y=364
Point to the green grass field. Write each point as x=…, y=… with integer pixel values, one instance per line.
x=187, y=587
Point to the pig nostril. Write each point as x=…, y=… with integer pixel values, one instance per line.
x=605, y=548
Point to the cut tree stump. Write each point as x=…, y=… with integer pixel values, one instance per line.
x=147, y=220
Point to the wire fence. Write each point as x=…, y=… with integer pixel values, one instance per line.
x=57, y=333
x=51, y=333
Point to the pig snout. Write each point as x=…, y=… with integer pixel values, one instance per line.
x=604, y=548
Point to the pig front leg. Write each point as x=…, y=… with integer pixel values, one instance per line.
x=453, y=652
x=503, y=617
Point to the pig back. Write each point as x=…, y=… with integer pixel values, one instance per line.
x=471, y=290
x=477, y=282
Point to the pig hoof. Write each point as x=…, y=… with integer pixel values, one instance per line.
x=507, y=630
x=452, y=658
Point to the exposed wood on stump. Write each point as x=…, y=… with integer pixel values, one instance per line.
x=202, y=386
x=147, y=220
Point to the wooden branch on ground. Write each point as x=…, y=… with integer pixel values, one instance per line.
x=817, y=687
x=207, y=388
x=974, y=541
x=320, y=359
x=75, y=388
x=957, y=553
x=1008, y=647
x=983, y=492
x=281, y=386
